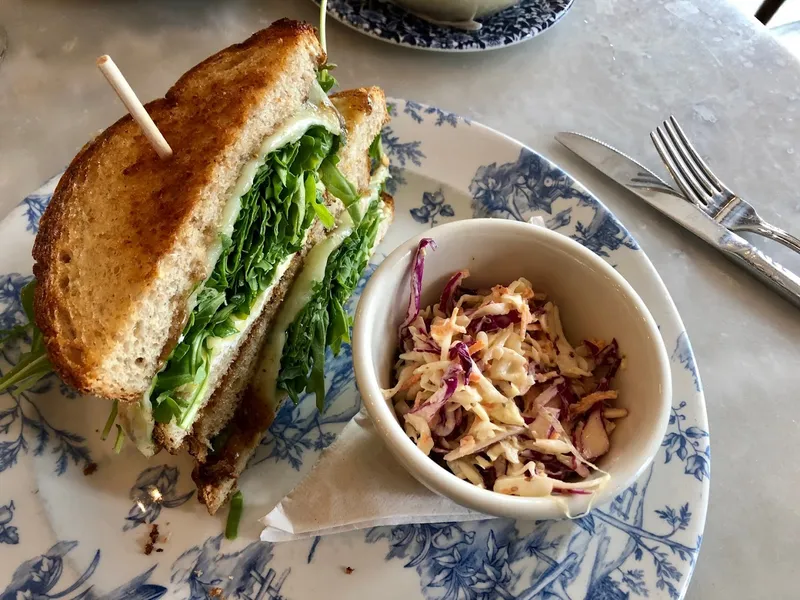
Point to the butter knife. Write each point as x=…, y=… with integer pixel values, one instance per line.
x=658, y=194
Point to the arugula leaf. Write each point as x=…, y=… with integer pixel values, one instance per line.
x=338, y=185
x=323, y=214
x=26, y=295
x=17, y=332
x=34, y=364
x=112, y=417
x=234, y=516
x=119, y=440
x=323, y=321
x=375, y=154
x=326, y=81
x=275, y=214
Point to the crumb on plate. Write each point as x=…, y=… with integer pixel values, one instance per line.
x=152, y=539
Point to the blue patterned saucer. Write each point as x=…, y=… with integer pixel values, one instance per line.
x=73, y=531
x=390, y=23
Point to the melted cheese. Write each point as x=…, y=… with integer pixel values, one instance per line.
x=137, y=422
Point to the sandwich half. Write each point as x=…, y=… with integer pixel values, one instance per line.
x=311, y=317
x=156, y=278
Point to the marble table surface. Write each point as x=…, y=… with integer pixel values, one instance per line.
x=612, y=68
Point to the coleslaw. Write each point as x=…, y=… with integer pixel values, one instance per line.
x=488, y=386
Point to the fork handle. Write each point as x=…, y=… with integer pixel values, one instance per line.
x=774, y=233
x=775, y=275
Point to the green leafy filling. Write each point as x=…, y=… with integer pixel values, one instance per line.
x=338, y=185
x=323, y=321
x=34, y=364
x=275, y=214
x=375, y=154
x=326, y=81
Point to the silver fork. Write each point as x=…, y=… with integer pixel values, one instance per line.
x=706, y=191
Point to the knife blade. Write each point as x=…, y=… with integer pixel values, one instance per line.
x=657, y=193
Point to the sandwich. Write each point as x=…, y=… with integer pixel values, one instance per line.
x=158, y=281
x=311, y=317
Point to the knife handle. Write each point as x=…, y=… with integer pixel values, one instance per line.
x=775, y=275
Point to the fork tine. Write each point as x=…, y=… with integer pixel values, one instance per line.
x=689, y=156
x=658, y=141
x=697, y=158
x=703, y=196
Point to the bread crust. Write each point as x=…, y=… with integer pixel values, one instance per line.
x=123, y=240
x=359, y=108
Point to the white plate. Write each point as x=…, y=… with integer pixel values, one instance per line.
x=67, y=535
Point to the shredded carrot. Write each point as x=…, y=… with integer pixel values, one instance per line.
x=477, y=347
x=599, y=343
x=588, y=401
x=498, y=292
x=410, y=381
x=445, y=327
x=474, y=377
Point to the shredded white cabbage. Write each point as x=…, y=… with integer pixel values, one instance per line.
x=490, y=387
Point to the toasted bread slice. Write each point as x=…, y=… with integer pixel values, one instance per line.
x=364, y=113
x=127, y=236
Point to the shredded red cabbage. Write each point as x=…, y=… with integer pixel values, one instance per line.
x=459, y=350
x=416, y=286
x=552, y=466
x=435, y=403
x=492, y=323
x=451, y=421
x=448, y=300
x=489, y=477
x=593, y=348
x=566, y=394
x=609, y=358
x=609, y=353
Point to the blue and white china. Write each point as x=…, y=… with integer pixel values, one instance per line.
x=75, y=517
x=391, y=23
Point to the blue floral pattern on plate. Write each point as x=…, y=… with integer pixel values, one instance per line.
x=390, y=23
x=24, y=429
x=643, y=544
x=200, y=573
x=533, y=184
x=433, y=207
x=155, y=488
x=8, y=532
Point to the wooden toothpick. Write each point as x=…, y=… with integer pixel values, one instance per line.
x=134, y=106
